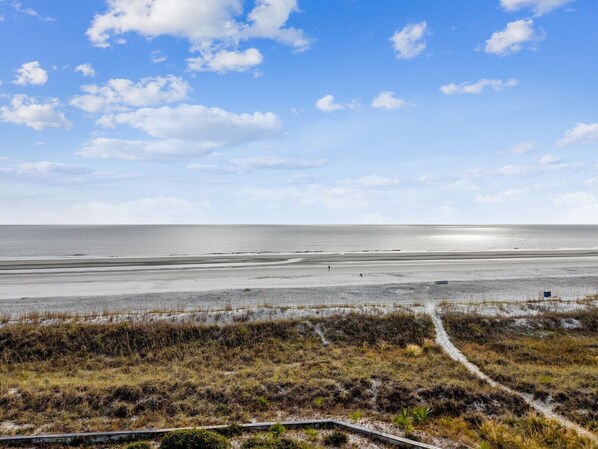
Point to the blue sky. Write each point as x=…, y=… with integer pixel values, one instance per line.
x=283, y=111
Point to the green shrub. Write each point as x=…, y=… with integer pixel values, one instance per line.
x=232, y=430
x=262, y=402
x=356, y=416
x=404, y=421
x=319, y=402
x=277, y=430
x=311, y=434
x=336, y=439
x=194, y=439
x=139, y=445
x=420, y=414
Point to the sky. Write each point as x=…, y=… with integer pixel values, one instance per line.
x=298, y=111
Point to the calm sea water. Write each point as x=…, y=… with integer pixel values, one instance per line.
x=167, y=240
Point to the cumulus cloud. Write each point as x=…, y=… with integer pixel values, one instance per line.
x=28, y=111
x=387, y=100
x=409, y=42
x=225, y=61
x=327, y=104
x=539, y=7
x=549, y=159
x=86, y=70
x=199, y=123
x=208, y=25
x=477, y=87
x=184, y=130
x=522, y=147
x=31, y=73
x=581, y=133
x=512, y=38
x=123, y=93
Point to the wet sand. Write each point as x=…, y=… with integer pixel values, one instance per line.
x=82, y=285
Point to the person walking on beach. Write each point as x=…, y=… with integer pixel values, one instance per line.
x=328, y=267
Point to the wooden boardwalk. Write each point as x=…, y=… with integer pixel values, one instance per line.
x=131, y=435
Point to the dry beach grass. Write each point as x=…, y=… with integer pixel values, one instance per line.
x=371, y=369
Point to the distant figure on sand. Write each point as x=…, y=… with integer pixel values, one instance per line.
x=328, y=267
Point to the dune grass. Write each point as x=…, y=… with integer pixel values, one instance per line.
x=554, y=357
x=86, y=377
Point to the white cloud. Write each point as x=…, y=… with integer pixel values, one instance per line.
x=55, y=172
x=150, y=210
x=246, y=165
x=109, y=148
x=303, y=178
x=522, y=147
x=539, y=7
x=27, y=111
x=158, y=57
x=514, y=170
x=309, y=195
x=409, y=42
x=211, y=26
x=512, y=38
x=387, y=100
x=225, y=61
x=31, y=73
x=376, y=181
x=327, y=104
x=581, y=133
x=181, y=131
x=549, y=159
x=86, y=70
x=43, y=168
x=582, y=207
x=122, y=93
x=18, y=7
x=200, y=124
x=477, y=87
x=502, y=197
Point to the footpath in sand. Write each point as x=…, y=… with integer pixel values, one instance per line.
x=443, y=340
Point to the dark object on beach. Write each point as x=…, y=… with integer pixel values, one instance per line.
x=194, y=439
x=441, y=282
x=360, y=275
x=328, y=267
x=547, y=294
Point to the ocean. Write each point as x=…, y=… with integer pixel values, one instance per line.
x=23, y=242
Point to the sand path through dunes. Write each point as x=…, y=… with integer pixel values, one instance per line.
x=444, y=341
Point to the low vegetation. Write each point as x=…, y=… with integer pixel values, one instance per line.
x=553, y=357
x=376, y=369
x=194, y=439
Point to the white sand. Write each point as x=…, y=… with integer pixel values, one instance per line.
x=280, y=280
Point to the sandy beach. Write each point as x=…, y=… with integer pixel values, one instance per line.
x=83, y=285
